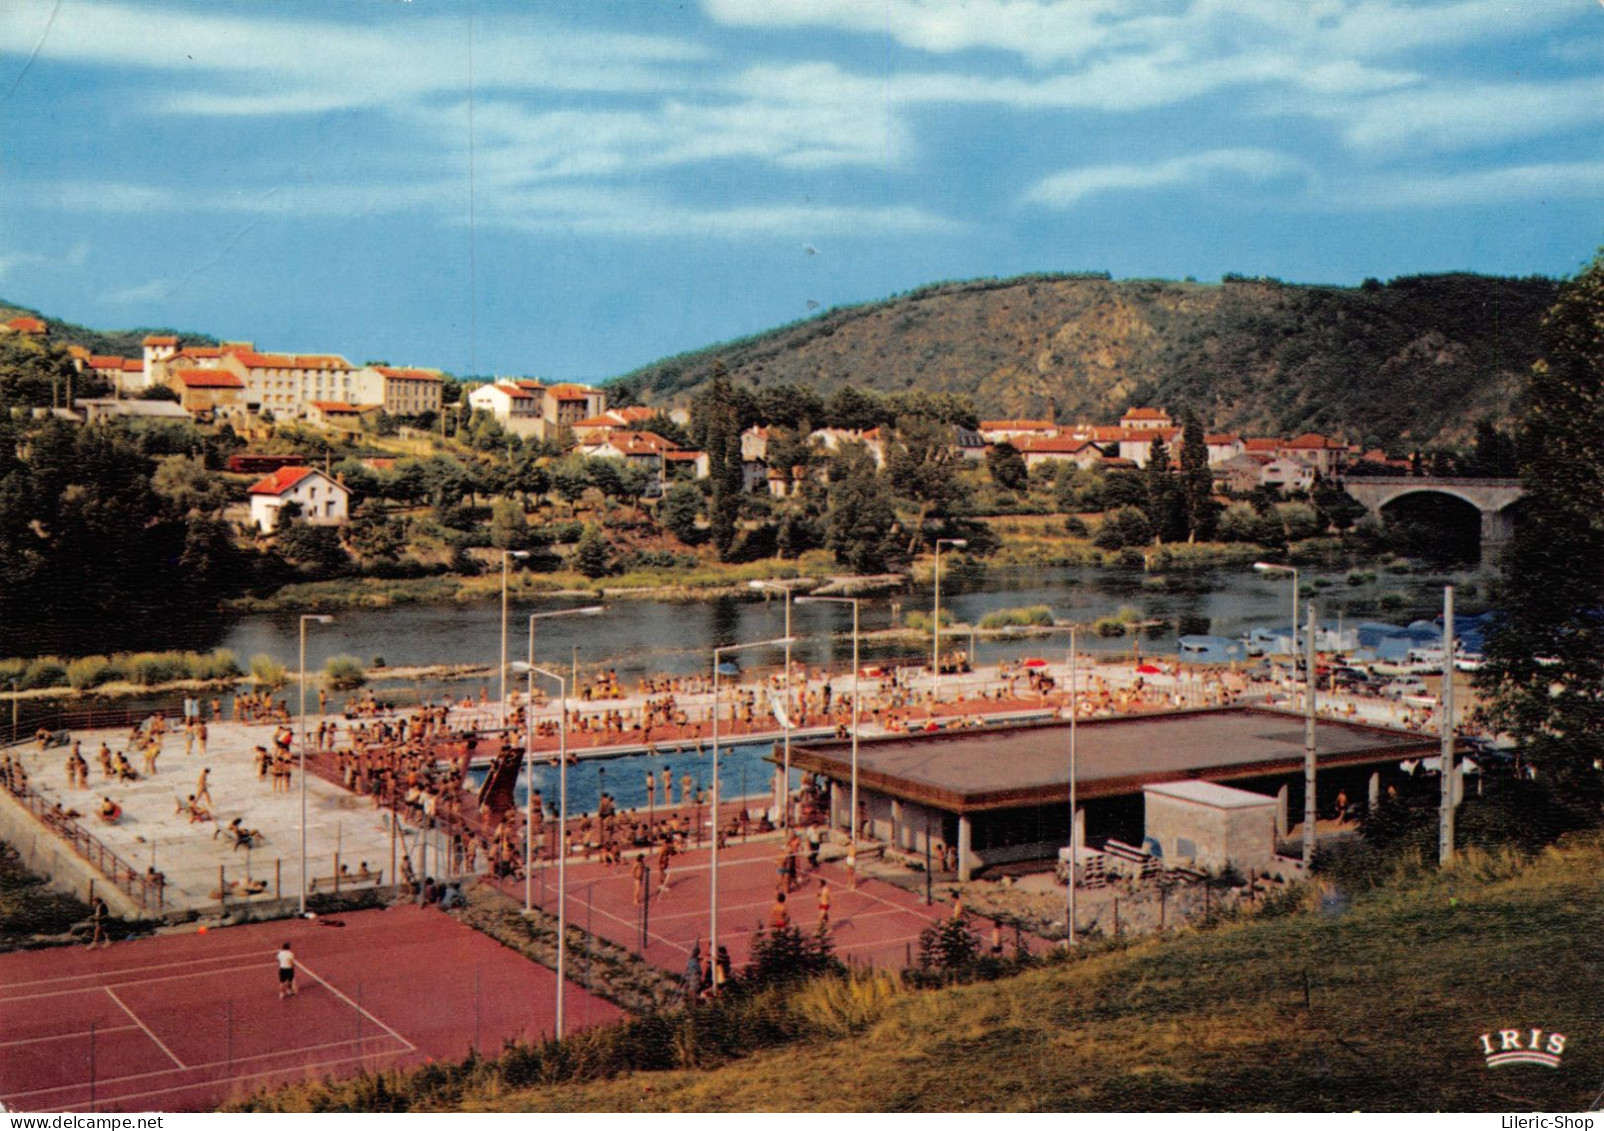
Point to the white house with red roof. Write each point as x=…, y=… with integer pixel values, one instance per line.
x=323, y=501
x=996, y=431
x=1038, y=450
x=1223, y=446
x=1136, y=444
x=1321, y=454
x=614, y=419
x=516, y=405
x=1146, y=419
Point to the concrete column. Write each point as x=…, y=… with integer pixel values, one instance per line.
x=1375, y=791
x=1281, y=812
x=1497, y=528
x=966, y=838
x=835, y=804
x=898, y=829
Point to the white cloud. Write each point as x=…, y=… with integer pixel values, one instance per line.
x=1070, y=187
x=155, y=291
x=10, y=261
x=1463, y=115
x=1571, y=180
x=1047, y=32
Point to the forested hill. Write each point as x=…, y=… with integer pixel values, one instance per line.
x=1417, y=360
x=123, y=343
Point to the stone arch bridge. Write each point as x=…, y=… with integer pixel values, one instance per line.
x=1493, y=498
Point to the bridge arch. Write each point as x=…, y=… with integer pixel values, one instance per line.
x=1493, y=499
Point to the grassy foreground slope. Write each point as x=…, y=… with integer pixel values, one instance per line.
x=1401, y=984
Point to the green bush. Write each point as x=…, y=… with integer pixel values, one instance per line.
x=88, y=672
x=268, y=672
x=920, y=621
x=344, y=673
x=220, y=664
x=1029, y=616
x=150, y=668
x=46, y=671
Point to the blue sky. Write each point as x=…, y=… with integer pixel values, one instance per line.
x=572, y=190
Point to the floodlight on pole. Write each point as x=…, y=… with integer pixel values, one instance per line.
x=562, y=819
x=1272, y=567
x=935, y=628
x=314, y=618
x=785, y=719
x=506, y=555
x=857, y=706
x=529, y=763
x=712, y=914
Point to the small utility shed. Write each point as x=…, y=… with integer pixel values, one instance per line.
x=1207, y=825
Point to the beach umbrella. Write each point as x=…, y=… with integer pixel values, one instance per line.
x=1035, y=662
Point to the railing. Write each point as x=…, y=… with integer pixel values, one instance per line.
x=136, y=884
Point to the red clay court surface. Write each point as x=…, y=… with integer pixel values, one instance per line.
x=183, y=1022
x=877, y=924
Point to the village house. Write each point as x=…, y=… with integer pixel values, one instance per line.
x=25, y=326
x=529, y=408
x=1059, y=449
x=208, y=392
x=1146, y=420
x=1137, y=443
x=1321, y=454
x=322, y=501
x=594, y=427
x=399, y=391
x=1013, y=431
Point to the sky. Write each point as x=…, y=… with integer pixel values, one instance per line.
x=571, y=190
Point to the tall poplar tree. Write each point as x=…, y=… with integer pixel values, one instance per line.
x=1545, y=670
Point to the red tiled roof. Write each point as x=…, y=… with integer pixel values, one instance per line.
x=1016, y=426
x=105, y=361
x=639, y=443
x=1065, y=444
x=1145, y=414
x=1313, y=440
x=1148, y=435
x=200, y=352
x=209, y=379
x=1222, y=438
x=1260, y=444
x=686, y=456
x=408, y=374
x=161, y=340
x=25, y=325
x=281, y=480
x=632, y=414
x=133, y=365
x=253, y=360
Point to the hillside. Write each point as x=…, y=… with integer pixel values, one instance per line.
x=124, y=343
x=1416, y=360
x=1373, y=1003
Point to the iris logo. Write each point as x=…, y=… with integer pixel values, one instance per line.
x=1516, y=1046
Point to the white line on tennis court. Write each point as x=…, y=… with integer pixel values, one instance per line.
x=134, y=1017
x=97, y=1031
x=337, y=993
x=141, y=969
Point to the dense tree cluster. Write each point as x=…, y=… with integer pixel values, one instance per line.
x=1545, y=673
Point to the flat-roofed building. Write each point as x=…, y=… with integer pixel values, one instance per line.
x=1002, y=795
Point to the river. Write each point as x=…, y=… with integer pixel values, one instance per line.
x=637, y=636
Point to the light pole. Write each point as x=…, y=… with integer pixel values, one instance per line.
x=935, y=628
x=785, y=719
x=1271, y=567
x=529, y=760
x=562, y=822
x=712, y=914
x=857, y=705
x=505, y=555
x=1074, y=810
x=319, y=618
x=1309, y=797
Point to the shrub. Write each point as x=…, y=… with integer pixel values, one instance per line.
x=344, y=673
x=948, y=948
x=268, y=672
x=1074, y=526
x=89, y=672
x=46, y=671
x=1124, y=527
x=150, y=668
x=1023, y=617
x=220, y=664
x=921, y=621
